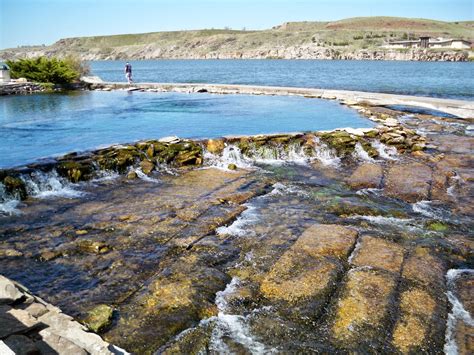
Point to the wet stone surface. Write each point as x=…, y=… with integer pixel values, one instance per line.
x=340, y=242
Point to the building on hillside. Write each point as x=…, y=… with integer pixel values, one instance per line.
x=4, y=73
x=428, y=42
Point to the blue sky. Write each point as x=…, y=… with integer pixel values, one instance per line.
x=24, y=22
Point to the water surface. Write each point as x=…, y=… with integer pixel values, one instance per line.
x=37, y=126
x=436, y=79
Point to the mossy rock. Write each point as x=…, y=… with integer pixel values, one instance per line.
x=74, y=171
x=341, y=141
x=118, y=159
x=99, y=318
x=147, y=167
x=437, y=226
x=94, y=247
x=245, y=146
x=371, y=134
x=373, y=153
x=215, y=146
x=15, y=186
x=179, y=154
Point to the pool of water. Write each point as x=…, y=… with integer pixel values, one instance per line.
x=436, y=79
x=33, y=127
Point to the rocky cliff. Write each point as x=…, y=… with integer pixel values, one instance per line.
x=357, y=39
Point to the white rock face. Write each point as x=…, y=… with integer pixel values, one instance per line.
x=8, y=292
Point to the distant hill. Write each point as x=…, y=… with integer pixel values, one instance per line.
x=327, y=40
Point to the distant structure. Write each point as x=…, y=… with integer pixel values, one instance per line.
x=428, y=42
x=4, y=73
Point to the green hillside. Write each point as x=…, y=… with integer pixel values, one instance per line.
x=348, y=34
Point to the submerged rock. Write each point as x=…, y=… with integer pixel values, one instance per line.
x=378, y=253
x=366, y=176
x=305, y=275
x=410, y=182
x=361, y=312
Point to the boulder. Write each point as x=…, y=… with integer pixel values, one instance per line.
x=408, y=182
x=99, y=318
x=367, y=175
x=215, y=146
x=9, y=293
x=93, y=246
x=147, y=167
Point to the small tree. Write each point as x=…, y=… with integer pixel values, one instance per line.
x=48, y=70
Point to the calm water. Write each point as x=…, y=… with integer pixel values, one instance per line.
x=38, y=126
x=438, y=79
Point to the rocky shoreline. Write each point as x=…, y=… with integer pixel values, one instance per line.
x=29, y=325
x=303, y=52
x=340, y=241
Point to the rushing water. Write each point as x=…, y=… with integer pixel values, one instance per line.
x=438, y=79
x=38, y=126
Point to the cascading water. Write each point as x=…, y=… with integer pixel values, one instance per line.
x=385, y=152
x=8, y=203
x=232, y=326
x=458, y=312
x=249, y=216
x=230, y=155
x=46, y=185
x=324, y=154
x=361, y=154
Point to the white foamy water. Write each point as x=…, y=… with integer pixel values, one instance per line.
x=238, y=228
x=262, y=155
x=407, y=223
x=48, y=185
x=385, y=152
x=426, y=209
x=369, y=192
x=324, y=154
x=232, y=326
x=8, y=203
x=355, y=251
x=280, y=189
x=361, y=154
x=278, y=156
x=230, y=155
x=141, y=175
x=105, y=175
x=458, y=312
x=454, y=181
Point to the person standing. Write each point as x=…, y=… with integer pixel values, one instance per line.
x=128, y=72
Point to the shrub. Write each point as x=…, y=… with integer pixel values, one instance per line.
x=48, y=70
